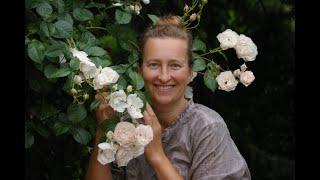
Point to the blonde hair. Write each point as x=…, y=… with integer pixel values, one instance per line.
x=168, y=26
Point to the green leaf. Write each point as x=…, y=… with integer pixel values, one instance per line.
x=82, y=14
x=46, y=111
x=199, y=65
x=198, y=45
x=122, y=68
x=95, y=51
x=63, y=29
x=55, y=50
x=41, y=129
x=66, y=17
x=52, y=71
x=102, y=61
x=59, y=4
x=29, y=140
x=36, y=51
x=136, y=80
x=95, y=5
x=94, y=104
x=145, y=96
x=108, y=125
x=87, y=40
x=44, y=9
x=69, y=82
x=133, y=57
x=74, y=64
x=81, y=136
x=123, y=17
x=153, y=18
x=122, y=83
x=76, y=112
x=44, y=29
x=60, y=128
x=210, y=80
x=109, y=42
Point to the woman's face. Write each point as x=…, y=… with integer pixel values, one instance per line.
x=165, y=69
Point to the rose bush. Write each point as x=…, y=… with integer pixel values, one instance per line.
x=80, y=48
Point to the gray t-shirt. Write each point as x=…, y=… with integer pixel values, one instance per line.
x=199, y=146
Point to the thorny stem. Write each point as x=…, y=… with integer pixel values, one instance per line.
x=212, y=51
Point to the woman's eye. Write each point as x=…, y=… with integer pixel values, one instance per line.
x=175, y=66
x=153, y=65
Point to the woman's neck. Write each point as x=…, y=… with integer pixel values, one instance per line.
x=167, y=114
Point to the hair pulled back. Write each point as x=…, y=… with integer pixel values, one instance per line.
x=169, y=26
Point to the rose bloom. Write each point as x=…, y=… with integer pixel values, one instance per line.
x=165, y=69
x=77, y=79
x=144, y=134
x=134, y=105
x=107, y=76
x=118, y=101
x=124, y=133
x=137, y=150
x=123, y=156
x=88, y=69
x=227, y=39
x=81, y=55
x=246, y=78
x=226, y=81
x=246, y=49
x=106, y=153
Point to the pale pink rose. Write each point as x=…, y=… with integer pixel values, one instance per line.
x=124, y=133
x=226, y=81
x=123, y=156
x=246, y=78
x=144, y=134
x=137, y=150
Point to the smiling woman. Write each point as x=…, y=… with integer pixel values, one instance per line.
x=190, y=141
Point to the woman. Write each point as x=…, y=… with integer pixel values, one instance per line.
x=190, y=140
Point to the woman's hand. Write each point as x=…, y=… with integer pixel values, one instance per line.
x=104, y=111
x=154, y=150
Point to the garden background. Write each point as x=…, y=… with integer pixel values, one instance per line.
x=260, y=117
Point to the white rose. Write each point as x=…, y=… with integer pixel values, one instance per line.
x=226, y=81
x=109, y=135
x=81, y=55
x=246, y=49
x=88, y=69
x=144, y=135
x=123, y=156
x=134, y=106
x=124, y=133
x=107, y=76
x=118, y=101
x=77, y=79
x=188, y=92
x=228, y=39
x=106, y=153
x=134, y=113
x=246, y=78
x=146, y=1
x=236, y=73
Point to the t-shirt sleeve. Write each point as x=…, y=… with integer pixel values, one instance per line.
x=214, y=154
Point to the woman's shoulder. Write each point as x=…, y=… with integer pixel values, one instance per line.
x=205, y=115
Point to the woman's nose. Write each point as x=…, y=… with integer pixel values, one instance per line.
x=164, y=75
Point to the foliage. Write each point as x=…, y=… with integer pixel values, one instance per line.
x=55, y=133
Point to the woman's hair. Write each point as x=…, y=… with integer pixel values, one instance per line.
x=167, y=27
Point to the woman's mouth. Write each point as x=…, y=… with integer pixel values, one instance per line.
x=164, y=88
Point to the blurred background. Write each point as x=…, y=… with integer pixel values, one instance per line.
x=260, y=117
